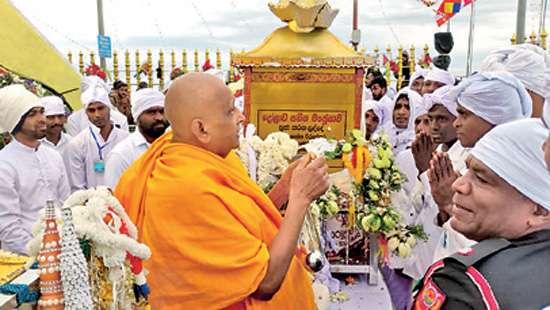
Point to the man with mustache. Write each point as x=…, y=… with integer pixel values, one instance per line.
x=30, y=174
x=88, y=151
x=483, y=101
x=503, y=202
x=54, y=110
x=148, y=111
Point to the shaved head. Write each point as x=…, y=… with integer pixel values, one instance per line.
x=201, y=111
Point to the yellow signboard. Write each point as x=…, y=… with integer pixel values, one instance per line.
x=303, y=125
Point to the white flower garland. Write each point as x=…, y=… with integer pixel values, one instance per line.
x=274, y=155
x=89, y=208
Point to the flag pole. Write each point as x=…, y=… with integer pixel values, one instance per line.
x=471, y=40
x=520, y=21
x=542, y=19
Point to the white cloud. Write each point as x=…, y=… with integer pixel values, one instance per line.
x=237, y=24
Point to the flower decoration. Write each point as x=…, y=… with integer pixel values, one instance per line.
x=9, y=78
x=177, y=72
x=94, y=69
x=109, y=244
x=274, y=155
x=376, y=177
x=332, y=202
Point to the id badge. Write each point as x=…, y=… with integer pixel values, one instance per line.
x=99, y=166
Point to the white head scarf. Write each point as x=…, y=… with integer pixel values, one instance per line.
x=93, y=80
x=401, y=138
x=513, y=151
x=145, y=99
x=440, y=76
x=420, y=109
x=378, y=108
x=95, y=93
x=15, y=102
x=419, y=72
x=439, y=96
x=526, y=62
x=53, y=105
x=497, y=97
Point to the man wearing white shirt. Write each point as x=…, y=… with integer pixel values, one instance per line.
x=30, y=174
x=484, y=101
x=88, y=151
x=148, y=111
x=56, y=117
x=79, y=120
x=442, y=114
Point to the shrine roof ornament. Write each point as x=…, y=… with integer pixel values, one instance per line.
x=304, y=16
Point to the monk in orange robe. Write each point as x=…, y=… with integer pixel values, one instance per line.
x=217, y=241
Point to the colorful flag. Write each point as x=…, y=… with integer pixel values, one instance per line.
x=451, y=7
x=448, y=9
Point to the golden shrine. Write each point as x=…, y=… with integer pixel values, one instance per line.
x=302, y=79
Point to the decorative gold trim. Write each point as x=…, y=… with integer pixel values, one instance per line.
x=332, y=62
x=301, y=77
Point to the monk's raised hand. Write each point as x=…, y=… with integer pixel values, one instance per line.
x=287, y=174
x=279, y=194
x=309, y=179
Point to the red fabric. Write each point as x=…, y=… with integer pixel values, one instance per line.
x=442, y=17
x=484, y=288
x=136, y=264
x=207, y=66
x=432, y=269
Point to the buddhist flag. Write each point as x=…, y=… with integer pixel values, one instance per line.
x=449, y=8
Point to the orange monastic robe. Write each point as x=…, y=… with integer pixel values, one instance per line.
x=209, y=227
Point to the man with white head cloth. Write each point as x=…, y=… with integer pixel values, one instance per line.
x=148, y=111
x=405, y=159
x=30, y=174
x=400, y=128
x=484, y=101
x=437, y=78
x=79, y=121
x=56, y=117
x=375, y=117
x=527, y=63
x=88, y=151
x=441, y=138
x=497, y=204
x=417, y=79
x=442, y=113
